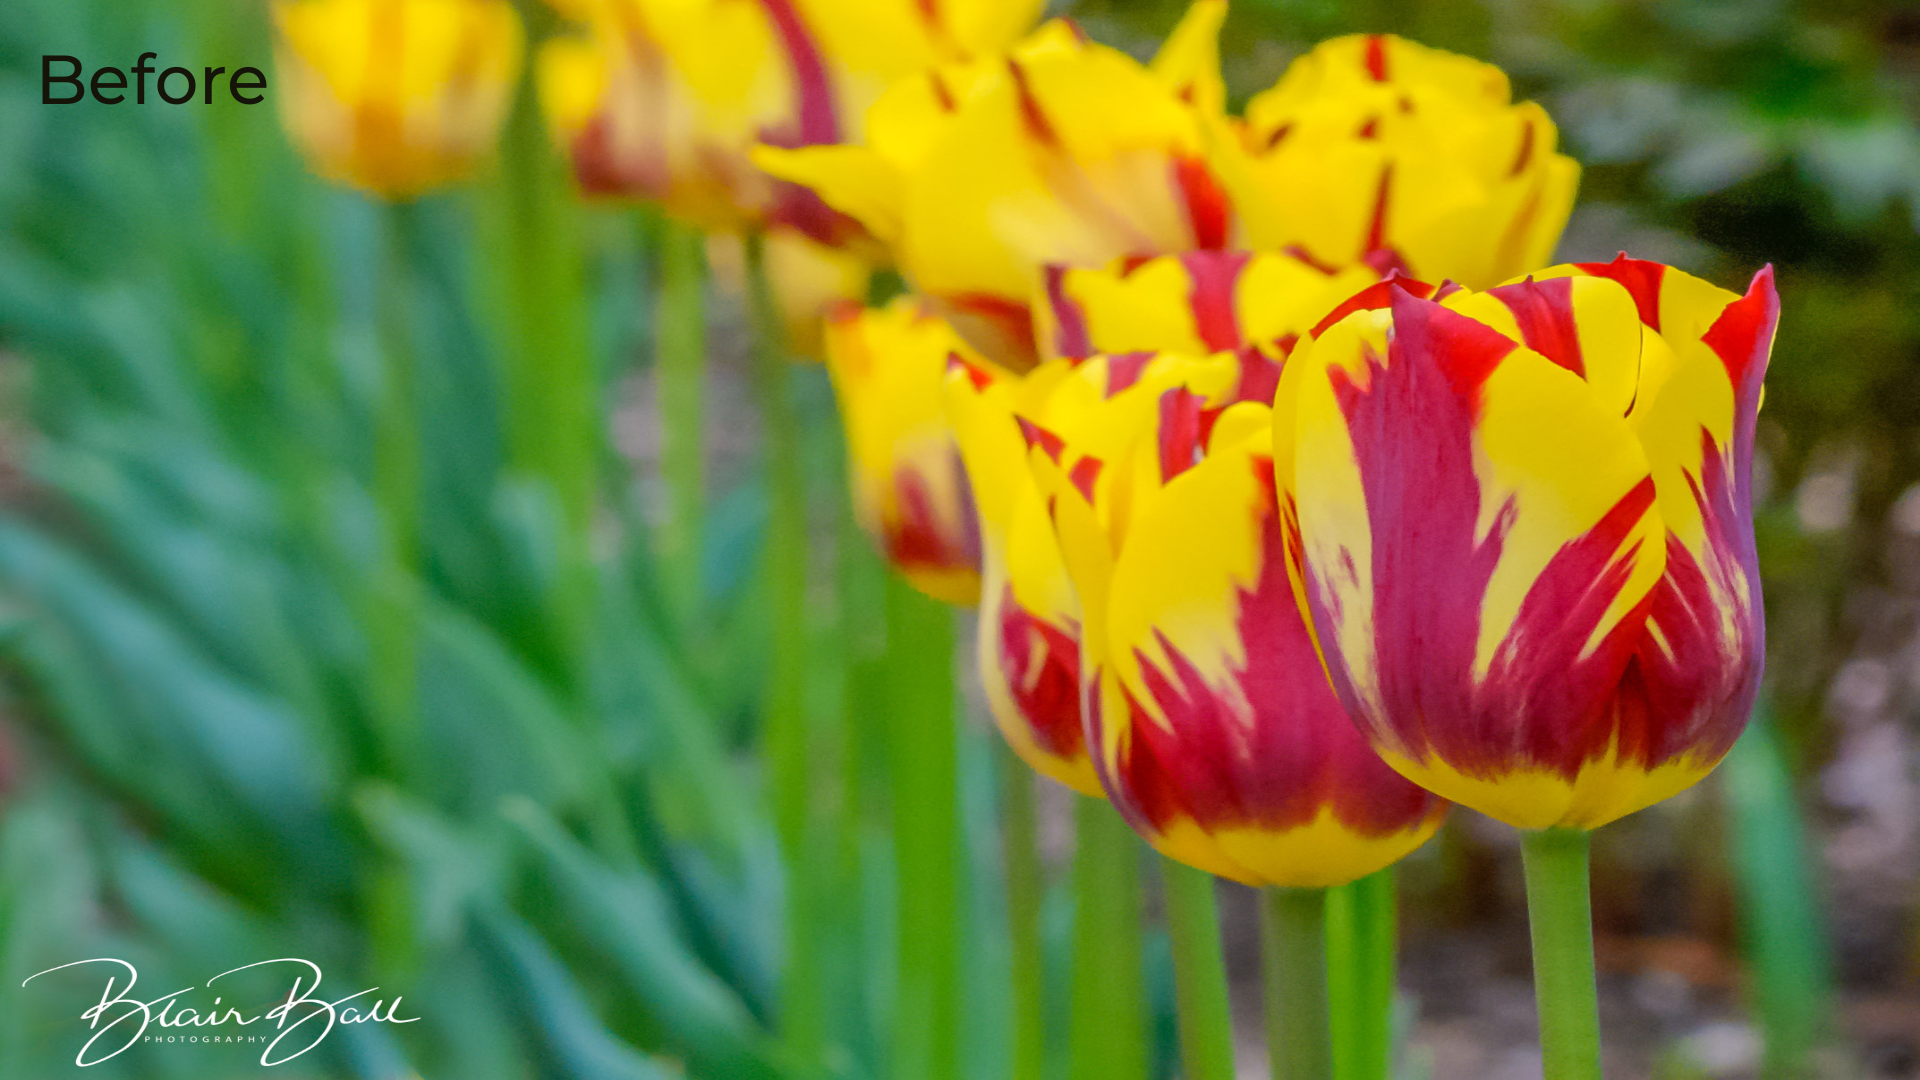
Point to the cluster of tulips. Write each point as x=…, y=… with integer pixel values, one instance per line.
x=1299, y=496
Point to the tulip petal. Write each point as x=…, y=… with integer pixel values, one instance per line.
x=1696, y=676
x=1588, y=325
x=1195, y=303
x=1189, y=60
x=1029, y=625
x=1217, y=733
x=851, y=179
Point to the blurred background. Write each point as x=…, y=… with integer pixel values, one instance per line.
x=556, y=839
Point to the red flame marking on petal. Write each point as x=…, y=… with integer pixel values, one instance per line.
x=1544, y=311
x=1639, y=277
x=1377, y=57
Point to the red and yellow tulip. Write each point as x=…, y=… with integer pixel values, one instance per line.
x=909, y=490
x=1212, y=726
x=1521, y=523
x=395, y=97
x=1030, y=621
x=975, y=175
x=1374, y=148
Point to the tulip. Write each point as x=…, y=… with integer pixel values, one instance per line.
x=394, y=97
x=910, y=492
x=1525, y=532
x=1029, y=623
x=1373, y=148
x=1521, y=524
x=1061, y=151
x=664, y=100
x=1213, y=728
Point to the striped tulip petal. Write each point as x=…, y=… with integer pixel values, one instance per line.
x=1029, y=624
x=1217, y=734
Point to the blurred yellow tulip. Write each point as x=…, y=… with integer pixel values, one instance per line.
x=910, y=492
x=664, y=99
x=1374, y=148
x=396, y=96
x=1061, y=151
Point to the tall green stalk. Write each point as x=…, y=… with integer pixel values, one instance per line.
x=926, y=833
x=1783, y=935
x=1019, y=830
x=1361, y=937
x=551, y=395
x=785, y=715
x=1560, y=910
x=393, y=604
x=1108, y=1032
x=391, y=608
x=680, y=367
x=534, y=268
x=1294, y=964
x=1199, y=973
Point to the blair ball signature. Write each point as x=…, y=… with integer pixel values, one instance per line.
x=121, y=1016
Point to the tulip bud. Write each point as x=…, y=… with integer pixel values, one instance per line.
x=396, y=96
x=1522, y=525
x=1373, y=148
x=910, y=492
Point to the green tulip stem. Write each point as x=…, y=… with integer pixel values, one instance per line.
x=680, y=362
x=1027, y=985
x=1294, y=963
x=1360, y=968
x=393, y=603
x=928, y=856
x=1199, y=973
x=536, y=270
x=1559, y=907
x=1107, y=1036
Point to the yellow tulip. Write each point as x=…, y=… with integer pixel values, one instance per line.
x=1212, y=727
x=396, y=96
x=1374, y=148
x=664, y=99
x=1061, y=151
x=910, y=492
x=1522, y=526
